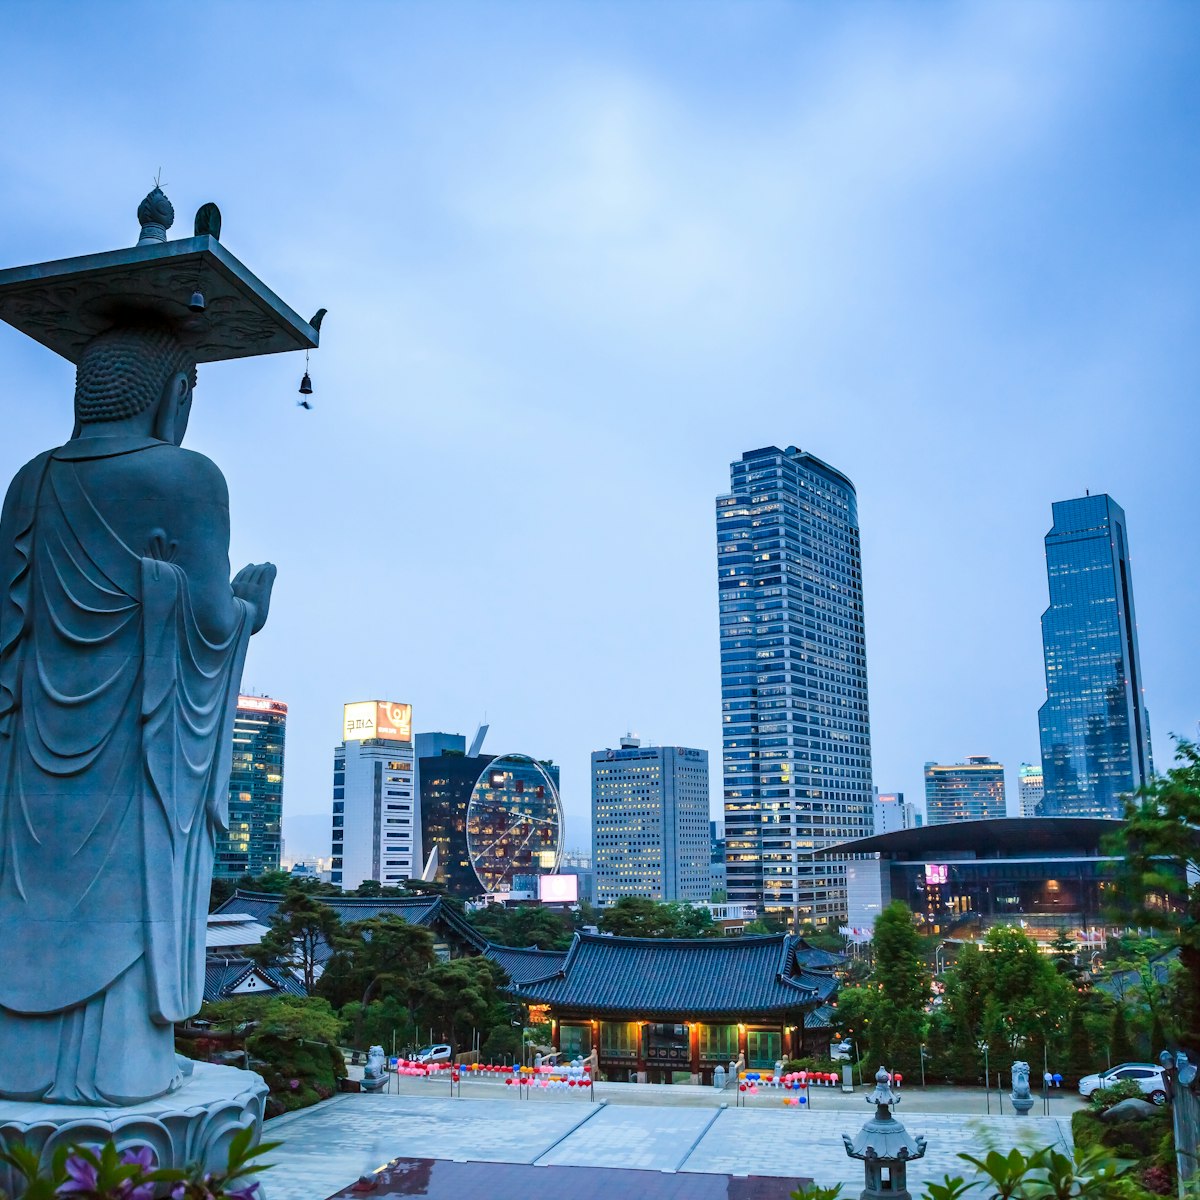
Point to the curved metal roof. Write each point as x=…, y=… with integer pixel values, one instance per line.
x=998, y=837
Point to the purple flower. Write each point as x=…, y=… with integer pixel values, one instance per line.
x=142, y=1157
x=82, y=1177
x=244, y=1193
x=294, y=1084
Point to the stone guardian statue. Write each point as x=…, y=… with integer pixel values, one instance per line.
x=122, y=640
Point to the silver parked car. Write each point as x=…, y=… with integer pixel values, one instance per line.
x=1148, y=1076
x=434, y=1054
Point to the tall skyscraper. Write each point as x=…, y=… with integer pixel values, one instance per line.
x=1095, y=731
x=970, y=791
x=252, y=843
x=650, y=831
x=797, y=743
x=1032, y=789
x=376, y=815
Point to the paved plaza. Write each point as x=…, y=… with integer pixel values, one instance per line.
x=326, y=1148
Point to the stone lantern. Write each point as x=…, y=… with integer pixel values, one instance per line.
x=884, y=1146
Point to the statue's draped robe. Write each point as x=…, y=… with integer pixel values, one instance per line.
x=116, y=717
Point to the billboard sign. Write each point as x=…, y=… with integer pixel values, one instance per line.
x=936, y=873
x=261, y=704
x=381, y=719
x=558, y=889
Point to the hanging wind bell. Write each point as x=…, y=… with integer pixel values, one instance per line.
x=306, y=386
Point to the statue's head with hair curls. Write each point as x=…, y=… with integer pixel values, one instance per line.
x=123, y=372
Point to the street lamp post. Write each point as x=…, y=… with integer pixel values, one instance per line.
x=922, y=1066
x=987, y=1075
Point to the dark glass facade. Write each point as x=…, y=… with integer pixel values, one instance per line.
x=490, y=820
x=796, y=732
x=1095, y=733
x=252, y=843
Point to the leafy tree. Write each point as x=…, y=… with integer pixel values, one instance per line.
x=1120, y=1045
x=1008, y=995
x=376, y=957
x=1062, y=954
x=273, y=882
x=1081, y=1057
x=636, y=916
x=1157, y=847
x=300, y=930
x=456, y=997
x=584, y=913
x=526, y=925
x=384, y=1022
x=300, y=1018
x=886, y=1016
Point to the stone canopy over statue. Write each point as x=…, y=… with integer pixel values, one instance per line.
x=122, y=641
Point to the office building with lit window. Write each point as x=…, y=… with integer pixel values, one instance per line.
x=970, y=791
x=650, y=828
x=1095, y=732
x=796, y=729
x=490, y=823
x=251, y=844
x=1031, y=789
x=376, y=815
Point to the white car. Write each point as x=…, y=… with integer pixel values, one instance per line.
x=1148, y=1076
x=432, y=1054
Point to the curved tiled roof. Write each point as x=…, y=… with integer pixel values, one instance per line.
x=416, y=910
x=647, y=977
x=221, y=976
x=526, y=966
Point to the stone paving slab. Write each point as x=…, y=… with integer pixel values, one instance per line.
x=328, y=1147
x=795, y=1142
x=651, y=1139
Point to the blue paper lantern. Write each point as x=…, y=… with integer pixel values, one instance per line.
x=1057, y=1080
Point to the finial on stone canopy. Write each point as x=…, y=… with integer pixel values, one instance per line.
x=155, y=215
x=208, y=221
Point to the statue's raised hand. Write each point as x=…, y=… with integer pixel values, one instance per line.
x=253, y=584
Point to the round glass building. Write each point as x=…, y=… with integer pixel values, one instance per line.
x=514, y=822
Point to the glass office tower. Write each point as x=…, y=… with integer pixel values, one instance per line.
x=1095, y=732
x=797, y=745
x=251, y=845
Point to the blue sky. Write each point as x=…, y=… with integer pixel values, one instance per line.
x=577, y=258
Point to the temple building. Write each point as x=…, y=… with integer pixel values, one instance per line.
x=663, y=1010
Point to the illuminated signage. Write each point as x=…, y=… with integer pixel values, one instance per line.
x=558, y=889
x=377, y=719
x=936, y=873
x=261, y=704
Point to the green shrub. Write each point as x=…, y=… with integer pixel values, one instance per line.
x=1124, y=1089
x=1149, y=1143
